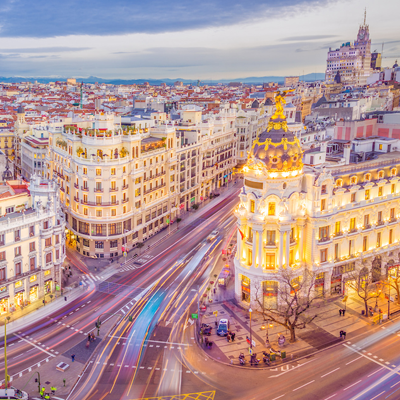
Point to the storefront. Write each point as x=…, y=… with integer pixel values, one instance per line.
x=319, y=284
x=270, y=292
x=336, y=284
x=33, y=293
x=3, y=302
x=48, y=285
x=245, y=289
x=19, y=298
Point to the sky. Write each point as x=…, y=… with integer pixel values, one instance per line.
x=206, y=40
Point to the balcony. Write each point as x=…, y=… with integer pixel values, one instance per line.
x=84, y=188
x=125, y=187
x=76, y=186
x=380, y=223
x=353, y=230
x=99, y=204
x=114, y=189
x=76, y=199
x=321, y=240
x=393, y=219
x=62, y=189
x=338, y=234
x=367, y=226
x=270, y=244
x=154, y=188
x=125, y=200
x=98, y=190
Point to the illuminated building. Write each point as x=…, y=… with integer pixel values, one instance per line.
x=327, y=218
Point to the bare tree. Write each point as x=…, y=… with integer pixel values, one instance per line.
x=393, y=280
x=294, y=296
x=360, y=280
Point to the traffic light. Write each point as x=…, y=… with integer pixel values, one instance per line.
x=130, y=318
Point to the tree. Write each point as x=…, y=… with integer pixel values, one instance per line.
x=360, y=280
x=195, y=206
x=393, y=281
x=294, y=296
x=139, y=245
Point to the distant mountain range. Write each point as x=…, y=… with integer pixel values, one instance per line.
x=155, y=82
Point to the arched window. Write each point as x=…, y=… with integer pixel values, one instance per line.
x=381, y=174
x=353, y=180
x=339, y=182
x=367, y=177
x=393, y=172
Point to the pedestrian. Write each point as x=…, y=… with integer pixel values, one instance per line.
x=340, y=312
x=73, y=357
x=344, y=335
x=47, y=396
x=42, y=391
x=53, y=390
x=206, y=341
x=233, y=336
x=343, y=311
x=93, y=337
x=87, y=344
x=89, y=337
x=214, y=290
x=228, y=337
x=341, y=334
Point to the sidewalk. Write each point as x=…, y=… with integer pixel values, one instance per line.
x=22, y=318
x=321, y=333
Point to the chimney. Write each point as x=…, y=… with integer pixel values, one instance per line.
x=346, y=153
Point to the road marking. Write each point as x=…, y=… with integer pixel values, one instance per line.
x=380, y=369
x=395, y=384
x=355, y=360
x=378, y=395
x=348, y=387
x=278, y=397
x=330, y=372
x=303, y=386
x=331, y=396
x=34, y=345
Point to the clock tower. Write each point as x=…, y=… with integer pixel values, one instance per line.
x=363, y=45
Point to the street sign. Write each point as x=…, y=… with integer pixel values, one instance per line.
x=125, y=253
x=192, y=199
x=250, y=351
x=195, y=316
x=167, y=220
x=253, y=343
x=215, y=313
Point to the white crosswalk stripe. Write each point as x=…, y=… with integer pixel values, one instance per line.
x=86, y=278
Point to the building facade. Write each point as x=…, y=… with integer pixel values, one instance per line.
x=327, y=219
x=32, y=244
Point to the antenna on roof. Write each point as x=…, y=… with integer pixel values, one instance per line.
x=365, y=15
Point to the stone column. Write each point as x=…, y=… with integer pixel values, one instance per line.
x=254, y=250
x=260, y=247
x=280, y=261
x=301, y=241
x=287, y=248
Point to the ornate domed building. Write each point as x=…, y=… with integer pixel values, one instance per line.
x=270, y=215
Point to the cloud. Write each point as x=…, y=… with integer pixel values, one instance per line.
x=41, y=18
x=44, y=50
x=306, y=38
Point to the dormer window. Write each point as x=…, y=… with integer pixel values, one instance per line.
x=367, y=177
x=339, y=182
x=353, y=180
x=393, y=172
x=381, y=174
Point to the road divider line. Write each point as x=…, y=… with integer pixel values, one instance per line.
x=330, y=372
x=380, y=369
x=34, y=345
x=378, y=395
x=348, y=387
x=353, y=360
x=303, y=385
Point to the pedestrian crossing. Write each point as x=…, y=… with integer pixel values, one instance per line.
x=41, y=398
x=135, y=263
x=86, y=279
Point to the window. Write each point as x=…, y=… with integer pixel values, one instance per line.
x=32, y=246
x=249, y=257
x=84, y=171
x=113, y=199
x=48, y=258
x=112, y=171
x=271, y=208
x=98, y=200
x=353, y=180
x=366, y=221
x=336, y=251
x=113, y=243
x=250, y=236
x=124, y=170
x=18, y=269
x=17, y=251
x=86, y=242
x=2, y=274
x=378, y=239
x=31, y=231
x=17, y=235
x=393, y=188
x=365, y=243
x=324, y=255
x=380, y=216
x=337, y=227
x=380, y=191
x=352, y=224
x=113, y=185
x=393, y=172
x=57, y=254
x=367, y=177
x=113, y=212
x=99, y=245
x=390, y=236
x=2, y=256
x=366, y=194
x=353, y=197
x=32, y=263
x=98, y=171
x=323, y=189
x=252, y=206
x=339, y=182
x=9, y=210
x=271, y=238
x=381, y=174
x=270, y=261
x=323, y=204
x=392, y=217
x=324, y=233
x=351, y=248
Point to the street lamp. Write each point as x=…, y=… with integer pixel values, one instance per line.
x=267, y=326
x=251, y=341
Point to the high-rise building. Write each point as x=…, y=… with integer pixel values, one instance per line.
x=351, y=63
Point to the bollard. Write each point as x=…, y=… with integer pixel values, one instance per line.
x=283, y=354
x=273, y=356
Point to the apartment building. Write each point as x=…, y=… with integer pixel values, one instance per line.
x=32, y=245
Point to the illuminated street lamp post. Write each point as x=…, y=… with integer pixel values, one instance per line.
x=267, y=326
x=251, y=341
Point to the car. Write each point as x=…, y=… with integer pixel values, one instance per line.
x=223, y=327
x=213, y=235
x=13, y=393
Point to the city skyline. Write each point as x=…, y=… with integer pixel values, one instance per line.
x=208, y=42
